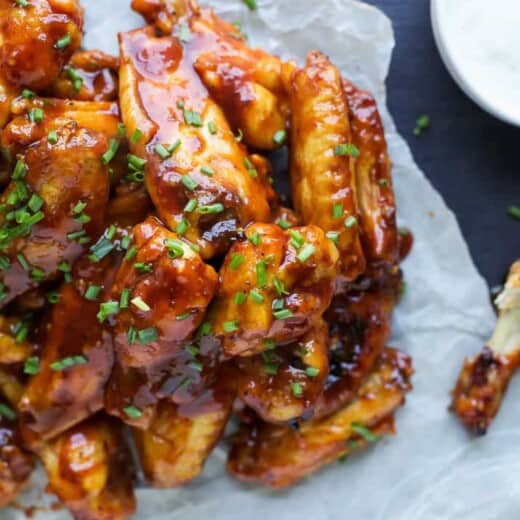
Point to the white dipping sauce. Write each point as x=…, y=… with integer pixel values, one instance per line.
x=480, y=43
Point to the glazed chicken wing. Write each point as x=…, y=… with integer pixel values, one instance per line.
x=200, y=179
x=278, y=456
x=42, y=232
x=284, y=382
x=273, y=286
x=484, y=379
x=89, y=76
x=90, y=470
x=160, y=297
x=322, y=158
x=172, y=451
x=16, y=464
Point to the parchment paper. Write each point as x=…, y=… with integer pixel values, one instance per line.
x=433, y=469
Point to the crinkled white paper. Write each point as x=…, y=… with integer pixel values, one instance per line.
x=432, y=470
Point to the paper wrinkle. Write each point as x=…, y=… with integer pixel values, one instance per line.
x=432, y=470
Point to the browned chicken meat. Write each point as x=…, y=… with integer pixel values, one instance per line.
x=322, y=158
x=484, y=379
x=200, y=178
x=274, y=285
x=278, y=456
x=89, y=469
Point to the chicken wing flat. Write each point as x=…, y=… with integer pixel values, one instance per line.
x=278, y=456
x=483, y=380
x=41, y=229
x=89, y=76
x=360, y=322
x=322, y=158
x=200, y=179
x=373, y=173
x=16, y=464
x=273, y=285
x=284, y=383
x=36, y=40
x=172, y=451
x=90, y=470
x=162, y=291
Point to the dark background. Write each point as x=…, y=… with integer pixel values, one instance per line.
x=469, y=156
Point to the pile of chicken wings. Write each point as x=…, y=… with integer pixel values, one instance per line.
x=152, y=282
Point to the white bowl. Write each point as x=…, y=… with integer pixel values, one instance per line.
x=491, y=82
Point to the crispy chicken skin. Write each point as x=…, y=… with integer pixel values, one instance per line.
x=278, y=456
x=167, y=290
x=284, y=281
x=172, y=451
x=189, y=149
x=16, y=464
x=483, y=380
x=284, y=383
x=35, y=45
x=38, y=229
x=373, y=173
x=322, y=166
x=89, y=76
x=90, y=470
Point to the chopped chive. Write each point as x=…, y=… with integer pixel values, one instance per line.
x=136, y=136
x=77, y=80
x=132, y=412
x=205, y=329
x=107, y=309
x=140, y=304
x=306, y=252
x=68, y=362
x=162, y=151
x=52, y=137
x=76, y=234
x=113, y=147
x=334, y=236
x=191, y=205
x=22, y=331
x=181, y=103
x=182, y=226
x=212, y=127
x=7, y=412
x=143, y=267
x=297, y=240
x=20, y=170
x=208, y=170
x=256, y=296
x=175, y=248
x=261, y=274
x=37, y=274
x=121, y=129
x=240, y=136
x=35, y=203
x=146, y=336
x=83, y=219
x=364, y=432
x=251, y=4
x=79, y=207
x=174, y=146
x=283, y=223
x=312, y=371
x=236, y=261
x=350, y=222
x=63, y=42
x=514, y=211
x=193, y=118
x=183, y=316
x=125, y=242
x=100, y=249
x=282, y=314
x=31, y=366
x=422, y=123
x=250, y=168
x=130, y=254
x=92, y=292
x=297, y=389
x=346, y=149
x=255, y=238
x=269, y=344
x=337, y=210
x=271, y=369
x=189, y=182
x=23, y=261
x=53, y=297
x=36, y=115
x=131, y=335
x=383, y=182
x=193, y=350
x=196, y=365
x=230, y=326
x=280, y=137
x=211, y=209
x=184, y=33
x=5, y=263
x=28, y=94
x=124, y=299
x=135, y=162
x=240, y=298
